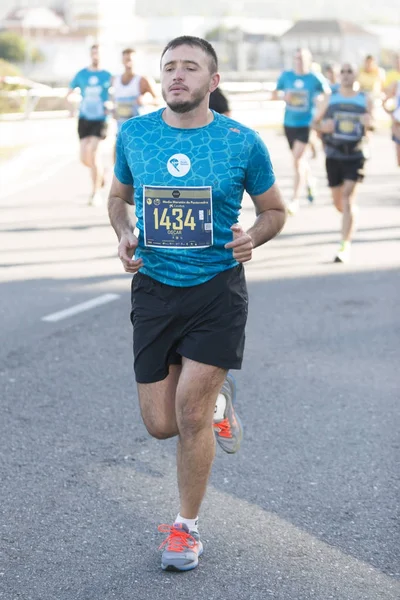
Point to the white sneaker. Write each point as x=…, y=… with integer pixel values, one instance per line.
x=293, y=206
x=96, y=199
x=344, y=253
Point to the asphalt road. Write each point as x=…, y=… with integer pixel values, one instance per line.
x=308, y=509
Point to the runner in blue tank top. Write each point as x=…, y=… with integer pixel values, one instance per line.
x=185, y=168
x=300, y=89
x=93, y=83
x=344, y=120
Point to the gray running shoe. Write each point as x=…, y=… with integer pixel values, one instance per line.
x=229, y=430
x=182, y=548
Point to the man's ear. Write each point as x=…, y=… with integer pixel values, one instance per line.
x=214, y=83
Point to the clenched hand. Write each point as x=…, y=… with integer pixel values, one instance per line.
x=242, y=244
x=126, y=249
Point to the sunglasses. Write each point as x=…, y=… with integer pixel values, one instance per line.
x=347, y=71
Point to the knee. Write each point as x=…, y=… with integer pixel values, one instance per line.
x=159, y=428
x=192, y=422
x=298, y=163
x=347, y=203
x=338, y=204
x=85, y=159
x=158, y=432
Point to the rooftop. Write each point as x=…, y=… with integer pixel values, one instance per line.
x=325, y=26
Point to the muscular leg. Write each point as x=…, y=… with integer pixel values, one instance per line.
x=157, y=404
x=301, y=167
x=337, y=197
x=183, y=404
x=313, y=143
x=85, y=156
x=197, y=392
x=349, y=196
x=96, y=166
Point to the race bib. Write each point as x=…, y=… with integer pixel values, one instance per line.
x=176, y=217
x=348, y=126
x=92, y=106
x=298, y=100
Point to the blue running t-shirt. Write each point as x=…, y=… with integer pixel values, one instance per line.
x=94, y=87
x=188, y=189
x=302, y=90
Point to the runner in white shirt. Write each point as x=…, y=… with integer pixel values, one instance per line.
x=131, y=91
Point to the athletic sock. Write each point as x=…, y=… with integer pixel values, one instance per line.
x=220, y=406
x=192, y=524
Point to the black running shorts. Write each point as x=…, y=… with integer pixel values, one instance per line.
x=88, y=128
x=205, y=323
x=340, y=170
x=301, y=134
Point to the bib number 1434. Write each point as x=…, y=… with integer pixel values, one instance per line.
x=177, y=217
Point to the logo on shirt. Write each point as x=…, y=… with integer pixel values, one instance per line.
x=93, y=80
x=179, y=165
x=299, y=84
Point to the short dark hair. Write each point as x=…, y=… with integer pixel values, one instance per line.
x=94, y=47
x=191, y=40
x=128, y=51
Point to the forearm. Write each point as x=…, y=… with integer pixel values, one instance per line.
x=121, y=216
x=317, y=126
x=266, y=226
x=276, y=95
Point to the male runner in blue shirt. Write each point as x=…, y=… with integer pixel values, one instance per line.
x=300, y=89
x=185, y=169
x=93, y=83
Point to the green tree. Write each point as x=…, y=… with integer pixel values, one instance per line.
x=15, y=49
x=8, y=70
x=12, y=47
x=37, y=55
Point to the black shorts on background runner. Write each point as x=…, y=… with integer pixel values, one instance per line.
x=205, y=323
x=301, y=134
x=92, y=128
x=339, y=170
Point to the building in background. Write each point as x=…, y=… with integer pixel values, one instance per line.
x=329, y=40
x=64, y=37
x=39, y=22
x=249, y=45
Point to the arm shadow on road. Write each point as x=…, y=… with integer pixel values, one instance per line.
x=308, y=503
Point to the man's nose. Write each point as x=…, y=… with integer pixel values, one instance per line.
x=179, y=74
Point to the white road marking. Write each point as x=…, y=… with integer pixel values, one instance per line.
x=78, y=308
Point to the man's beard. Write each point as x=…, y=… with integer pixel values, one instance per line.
x=188, y=105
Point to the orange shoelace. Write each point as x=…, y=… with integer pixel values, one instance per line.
x=177, y=540
x=223, y=428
